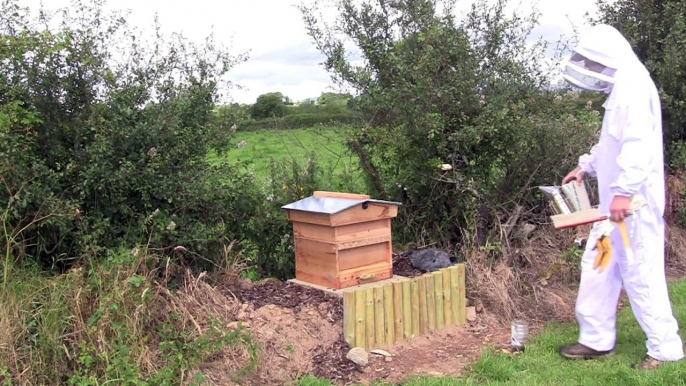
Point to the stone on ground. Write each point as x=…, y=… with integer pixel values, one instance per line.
x=359, y=357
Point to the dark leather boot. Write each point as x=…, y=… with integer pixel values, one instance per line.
x=579, y=351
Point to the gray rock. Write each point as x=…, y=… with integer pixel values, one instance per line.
x=359, y=357
x=429, y=260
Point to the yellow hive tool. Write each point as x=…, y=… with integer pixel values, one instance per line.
x=603, y=245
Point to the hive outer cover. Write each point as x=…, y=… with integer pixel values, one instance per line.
x=330, y=205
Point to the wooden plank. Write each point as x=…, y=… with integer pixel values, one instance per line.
x=414, y=299
x=423, y=309
x=389, y=319
x=342, y=291
x=398, y=311
x=368, y=274
x=379, y=327
x=315, y=262
x=454, y=295
x=314, y=232
x=363, y=256
x=360, y=328
x=575, y=219
x=430, y=302
x=407, y=310
x=438, y=295
x=349, y=318
x=295, y=216
x=378, y=240
x=363, y=230
x=317, y=279
x=322, y=193
x=314, y=248
x=357, y=214
x=462, y=294
x=447, y=299
x=369, y=317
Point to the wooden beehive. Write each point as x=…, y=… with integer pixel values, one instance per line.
x=342, y=240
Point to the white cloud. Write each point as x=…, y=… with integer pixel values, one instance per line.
x=282, y=57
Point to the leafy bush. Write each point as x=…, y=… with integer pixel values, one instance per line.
x=104, y=136
x=470, y=94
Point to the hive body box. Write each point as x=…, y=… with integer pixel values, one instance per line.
x=342, y=240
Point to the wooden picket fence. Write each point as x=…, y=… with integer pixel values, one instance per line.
x=388, y=314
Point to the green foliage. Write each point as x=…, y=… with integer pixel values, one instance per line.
x=330, y=109
x=297, y=120
x=97, y=151
x=270, y=105
x=330, y=98
x=109, y=323
x=656, y=30
x=258, y=148
x=469, y=93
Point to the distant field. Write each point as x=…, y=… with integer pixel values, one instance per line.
x=260, y=146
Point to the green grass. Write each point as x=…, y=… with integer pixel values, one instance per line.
x=542, y=365
x=326, y=143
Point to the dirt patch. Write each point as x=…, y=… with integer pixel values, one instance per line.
x=441, y=353
x=403, y=267
x=299, y=329
x=330, y=362
x=292, y=296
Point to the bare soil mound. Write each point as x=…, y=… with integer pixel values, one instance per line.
x=300, y=330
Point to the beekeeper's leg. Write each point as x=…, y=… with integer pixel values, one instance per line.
x=643, y=272
x=596, y=304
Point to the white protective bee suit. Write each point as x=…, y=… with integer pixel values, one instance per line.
x=627, y=160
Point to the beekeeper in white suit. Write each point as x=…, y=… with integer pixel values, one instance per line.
x=627, y=161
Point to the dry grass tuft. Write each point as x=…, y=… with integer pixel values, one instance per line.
x=675, y=251
x=531, y=274
x=532, y=270
x=116, y=321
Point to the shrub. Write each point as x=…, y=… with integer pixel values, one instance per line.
x=471, y=94
x=104, y=137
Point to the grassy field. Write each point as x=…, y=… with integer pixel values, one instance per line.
x=256, y=148
x=542, y=365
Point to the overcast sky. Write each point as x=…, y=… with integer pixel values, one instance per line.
x=281, y=55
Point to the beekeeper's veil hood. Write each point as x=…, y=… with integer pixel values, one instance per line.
x=601, y=52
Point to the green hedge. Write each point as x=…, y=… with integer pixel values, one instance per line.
x=299, y=121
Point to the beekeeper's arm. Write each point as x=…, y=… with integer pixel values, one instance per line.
x=587, y=162
x=633, y=129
